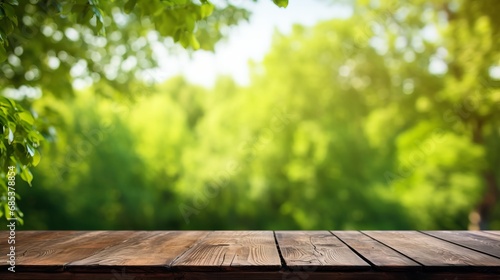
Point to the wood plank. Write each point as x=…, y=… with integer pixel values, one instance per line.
x=30, y=244
x=215, y=275
x=482, y=242
x=317, y=251
x=495, y=232
x=486, y=234
x=51, y=251
x=146, y=251
x=436, y=254
x=25, y=239
x=231, y=251
x=382, y=257
x=253, y=255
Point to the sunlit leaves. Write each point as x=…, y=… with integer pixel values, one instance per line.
x=281, y=3
x=20, y=138
x=26, y=175
x=206, y=9
x=53, y=36
x=8, y=21
x=26, y=117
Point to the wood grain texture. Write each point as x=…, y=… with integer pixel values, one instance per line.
x=251, y=275
x=253, y=255
x=148, y=251
x=27, y=239
x=231, y=250
x=482, y=242
x=382, y=257
x=51, y=251
x=486, y=234
x=317, y=251
x=436, y=254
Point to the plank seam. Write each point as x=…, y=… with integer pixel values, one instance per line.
x=372, y=265
x=282, y=259
x=188, y=249
x=461, y=245
x=394, y=249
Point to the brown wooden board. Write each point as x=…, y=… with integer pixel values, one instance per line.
x=27, y=239
x=215, y=275
x=144, y=251
x=52, y=251
x=253, y=255
x=486, y=234
x=436, y=254
x=230, y=251
x=382, y=257
x=317, y=251
x=478, y=241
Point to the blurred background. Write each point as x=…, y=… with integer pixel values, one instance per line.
x=323, y=115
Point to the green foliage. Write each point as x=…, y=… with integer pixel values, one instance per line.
x=281, y=3
x=41, y=41
x=20, y=139
x=346, y=125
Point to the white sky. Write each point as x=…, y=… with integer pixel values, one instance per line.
x=248, y=41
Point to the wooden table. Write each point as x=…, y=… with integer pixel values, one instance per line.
x=298, y=255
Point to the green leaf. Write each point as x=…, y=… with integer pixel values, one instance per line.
x=7, y=26
x=129, y=6
x=10, y=136
x=12, y=126
x=194, y=42
x=206, y=10
x=281, y=3
x=86, y=16
x=97, y=13
x=3, y=37
x=26, y=175
x=10, y=12
x=27, y=117
x=35, y=137
x=30, y=150
x=2, y=13
x=36, y=158
x=13, y=2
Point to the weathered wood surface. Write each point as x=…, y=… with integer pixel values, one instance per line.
x=121, y=255
x=379, y=255
x=140, y=251
x=317, y=251
x=436, y=254
x=482, y=242
x=231, y=250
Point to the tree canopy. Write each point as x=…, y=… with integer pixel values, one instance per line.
x=385, y=120
x=42, y=41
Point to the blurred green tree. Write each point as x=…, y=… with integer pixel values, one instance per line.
x=46, y=45
x=386, y=120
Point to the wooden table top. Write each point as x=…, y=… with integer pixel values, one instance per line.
x=252, y=255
